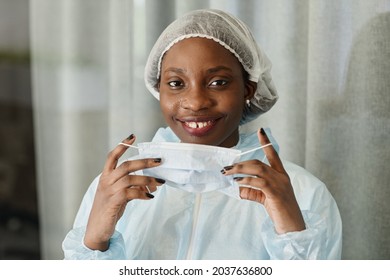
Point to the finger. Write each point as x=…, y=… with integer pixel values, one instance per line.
x=138, y=193
x=131, y=166
x=257, y=184
x=252, y=194
x=271, y=154
x=250, y=167
x=137, y=180
x=116, y=153
x=252, y=182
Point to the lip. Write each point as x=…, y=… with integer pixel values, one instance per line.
x=198, y=126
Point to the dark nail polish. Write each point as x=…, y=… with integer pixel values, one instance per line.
x=161, y=181
x=223, y=171
x=149, y=195
x=130, y=137
x=262, y=131
x=157, y=160
x=238, y=179
x=226, y=168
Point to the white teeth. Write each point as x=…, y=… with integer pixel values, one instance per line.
x=198, y=124
x=192, y=124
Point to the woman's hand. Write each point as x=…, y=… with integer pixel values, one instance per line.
x=115, y=189
x=270, y=186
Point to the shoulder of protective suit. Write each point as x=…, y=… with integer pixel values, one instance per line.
x=298, y=172
x=310, y=191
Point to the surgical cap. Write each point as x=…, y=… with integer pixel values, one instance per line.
x=232, y=34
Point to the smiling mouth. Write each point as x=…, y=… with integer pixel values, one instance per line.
x=198, y=124
x=198, y=127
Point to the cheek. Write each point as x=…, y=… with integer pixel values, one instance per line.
x=233, y=105
x=169, y=106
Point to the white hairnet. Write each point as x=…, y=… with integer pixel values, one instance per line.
x=232, y=34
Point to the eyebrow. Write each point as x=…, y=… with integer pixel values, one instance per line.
x=176, y=70
x=209, y=71
x=218, y=68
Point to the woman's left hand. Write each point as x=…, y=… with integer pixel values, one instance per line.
x=269, y=185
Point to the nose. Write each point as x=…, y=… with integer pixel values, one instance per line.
x=196, y=99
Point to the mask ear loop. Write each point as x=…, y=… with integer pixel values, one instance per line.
x=131, y=146
x=135, y=147
x=128, y=145
x=250, y=151
x=255, y=149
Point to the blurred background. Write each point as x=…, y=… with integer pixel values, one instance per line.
x=71, y=87
x=19, y=221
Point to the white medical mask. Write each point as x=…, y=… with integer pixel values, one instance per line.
x=193, y=167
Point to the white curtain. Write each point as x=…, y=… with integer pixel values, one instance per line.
x=331, y=65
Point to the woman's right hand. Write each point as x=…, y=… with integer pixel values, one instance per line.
x=117, y=186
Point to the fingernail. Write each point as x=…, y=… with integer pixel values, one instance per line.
x=223, y=171
x=262, y=131
x=149, y=195
x=157, y=160
x=161, y=181
x=226, y=168
x=130, y=137
x=238, y=178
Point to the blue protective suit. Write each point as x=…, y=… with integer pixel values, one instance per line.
x=181, y=225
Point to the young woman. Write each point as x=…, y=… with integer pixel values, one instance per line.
x=210, y=76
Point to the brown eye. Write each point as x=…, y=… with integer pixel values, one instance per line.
x=218, y=83
x=175, y=84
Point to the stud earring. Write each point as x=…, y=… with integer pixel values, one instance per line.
x=248, y=103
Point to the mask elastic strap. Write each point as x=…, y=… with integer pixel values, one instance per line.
x=128, y=145
x=255, y=149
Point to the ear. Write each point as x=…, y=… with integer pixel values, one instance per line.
x=250, y=89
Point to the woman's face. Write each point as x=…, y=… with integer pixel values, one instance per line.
x=203, y=92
